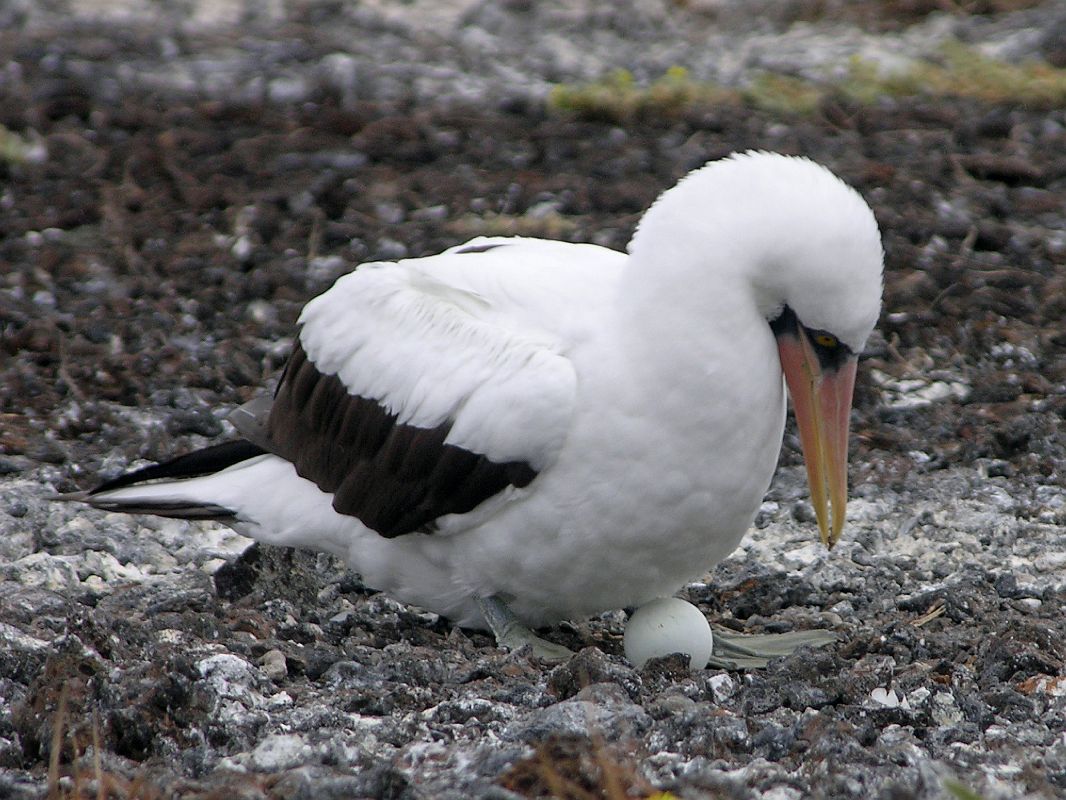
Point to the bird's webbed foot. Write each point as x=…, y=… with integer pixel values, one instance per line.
x=733, y=650
x=511, y=634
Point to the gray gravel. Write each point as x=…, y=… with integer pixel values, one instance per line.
x=344, y=693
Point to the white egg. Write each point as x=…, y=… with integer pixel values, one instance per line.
x=668, y=625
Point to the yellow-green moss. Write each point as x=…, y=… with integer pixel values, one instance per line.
x=959, y=71
x=960, y=791
x=618, y=97
x=967, y=73
x=783, y=94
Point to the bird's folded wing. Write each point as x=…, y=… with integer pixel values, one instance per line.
x=409, y=399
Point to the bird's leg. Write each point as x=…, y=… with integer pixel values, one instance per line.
x=512, y=634
x=733, y=650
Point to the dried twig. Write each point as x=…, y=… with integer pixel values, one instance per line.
x=54, y=792
x=936, y=610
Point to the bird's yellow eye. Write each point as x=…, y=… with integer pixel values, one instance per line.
x=826, y=340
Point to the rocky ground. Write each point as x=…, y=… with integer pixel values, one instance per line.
x=175, y=187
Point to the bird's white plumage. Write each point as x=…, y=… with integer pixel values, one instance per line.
x=450, y=338
x=645, y=390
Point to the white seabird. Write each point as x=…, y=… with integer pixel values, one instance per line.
x=521, y=430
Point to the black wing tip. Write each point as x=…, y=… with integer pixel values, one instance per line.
x=198, y=463
x=190, y=465
x=162, y=508
x=174, y=509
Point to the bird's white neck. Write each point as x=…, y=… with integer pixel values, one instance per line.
x=707, y=357
x=691, y=325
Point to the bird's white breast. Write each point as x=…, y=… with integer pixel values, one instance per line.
x=649, y=491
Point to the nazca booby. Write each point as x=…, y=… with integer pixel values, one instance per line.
x=522, y=431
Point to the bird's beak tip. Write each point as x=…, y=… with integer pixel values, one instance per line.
x=832, y=536
x=829, y=511
x=827, y=536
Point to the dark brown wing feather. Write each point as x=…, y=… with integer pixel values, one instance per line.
x=395, y=478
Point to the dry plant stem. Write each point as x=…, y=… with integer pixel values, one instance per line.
x=54, y=792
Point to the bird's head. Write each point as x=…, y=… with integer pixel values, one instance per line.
x=821, y=294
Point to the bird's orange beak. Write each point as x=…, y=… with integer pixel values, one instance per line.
x=821, y=401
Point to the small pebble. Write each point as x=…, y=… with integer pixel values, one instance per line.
x=274, y=665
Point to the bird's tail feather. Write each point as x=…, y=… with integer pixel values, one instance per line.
x=170, y=489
